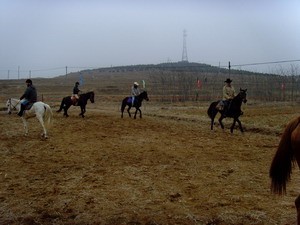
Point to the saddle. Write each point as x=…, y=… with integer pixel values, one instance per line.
x=29, y=105
x=74, y=100
x=223, y=105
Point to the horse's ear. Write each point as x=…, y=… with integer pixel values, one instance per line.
x=240, y=89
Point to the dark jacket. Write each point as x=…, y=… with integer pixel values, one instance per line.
x=76, y=90
x=30, y=94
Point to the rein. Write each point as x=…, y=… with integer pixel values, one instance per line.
x=14, y=106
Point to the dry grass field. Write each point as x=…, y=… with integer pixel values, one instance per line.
x=167, y=168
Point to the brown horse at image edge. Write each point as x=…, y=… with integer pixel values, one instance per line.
x=287, y=153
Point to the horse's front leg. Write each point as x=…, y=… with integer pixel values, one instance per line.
x=240, y=124
x=136, y=110
x=25, y=126
x=40, y=119
x=220, y=121
x=82, y=111
x=233, y=124
x=140, y=113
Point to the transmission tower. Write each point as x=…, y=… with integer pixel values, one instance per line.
x=184, y=51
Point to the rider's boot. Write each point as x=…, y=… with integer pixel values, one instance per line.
x=21, y=110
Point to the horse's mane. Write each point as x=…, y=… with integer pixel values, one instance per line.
x=87, y=93
x=239, y=94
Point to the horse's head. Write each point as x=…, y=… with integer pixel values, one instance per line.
x=243, y=95
x=92, y=96
x=8, y=105
x=13, y=104
x=144, y=95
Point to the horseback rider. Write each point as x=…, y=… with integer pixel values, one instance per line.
x=228, y=94
x=30, y=96
x=76, y=92
x=135, y=91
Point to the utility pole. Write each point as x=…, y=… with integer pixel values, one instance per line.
x=18, y=72
x=184, y=51
x=8, y=74
x=229, y=68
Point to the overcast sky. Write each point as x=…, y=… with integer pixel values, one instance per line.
x=38, y=35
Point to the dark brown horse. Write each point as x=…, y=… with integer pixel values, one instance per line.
x=288, y=152
x=66, y=103
x=137, y=104
x=234, y=110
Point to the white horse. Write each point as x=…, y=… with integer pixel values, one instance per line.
x=39, y=110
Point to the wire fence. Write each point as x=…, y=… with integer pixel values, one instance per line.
x=179, y=83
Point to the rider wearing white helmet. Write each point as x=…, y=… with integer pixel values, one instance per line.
x=135, y=91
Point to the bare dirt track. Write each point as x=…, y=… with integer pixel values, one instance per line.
x=167, y=168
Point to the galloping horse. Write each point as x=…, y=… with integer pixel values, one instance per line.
x=82, y=101
x=137, y=104
x=234, y=110
x=39, y=110
x=288, y=152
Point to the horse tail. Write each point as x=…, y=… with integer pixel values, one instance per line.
x=61, y=105
x=212, y=111
x=48, y=115
x=281, y=167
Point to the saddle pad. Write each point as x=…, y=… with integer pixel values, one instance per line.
x=129, y=100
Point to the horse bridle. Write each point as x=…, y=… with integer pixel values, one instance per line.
x=14, y=107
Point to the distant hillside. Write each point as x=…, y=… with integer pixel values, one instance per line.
x=177, y=67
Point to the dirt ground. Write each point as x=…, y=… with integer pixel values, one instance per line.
x=166, y=168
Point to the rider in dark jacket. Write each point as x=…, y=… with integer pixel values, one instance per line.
x=76, y=90
x=30, y=96
x=75, y=95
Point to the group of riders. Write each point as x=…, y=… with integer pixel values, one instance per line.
x=30, y=95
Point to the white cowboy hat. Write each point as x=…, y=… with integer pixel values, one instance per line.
x=136, y=83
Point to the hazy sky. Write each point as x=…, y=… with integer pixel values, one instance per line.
x=39, y=35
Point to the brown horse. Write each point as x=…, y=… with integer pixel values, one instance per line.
x=234, y=110
x=287, y=153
